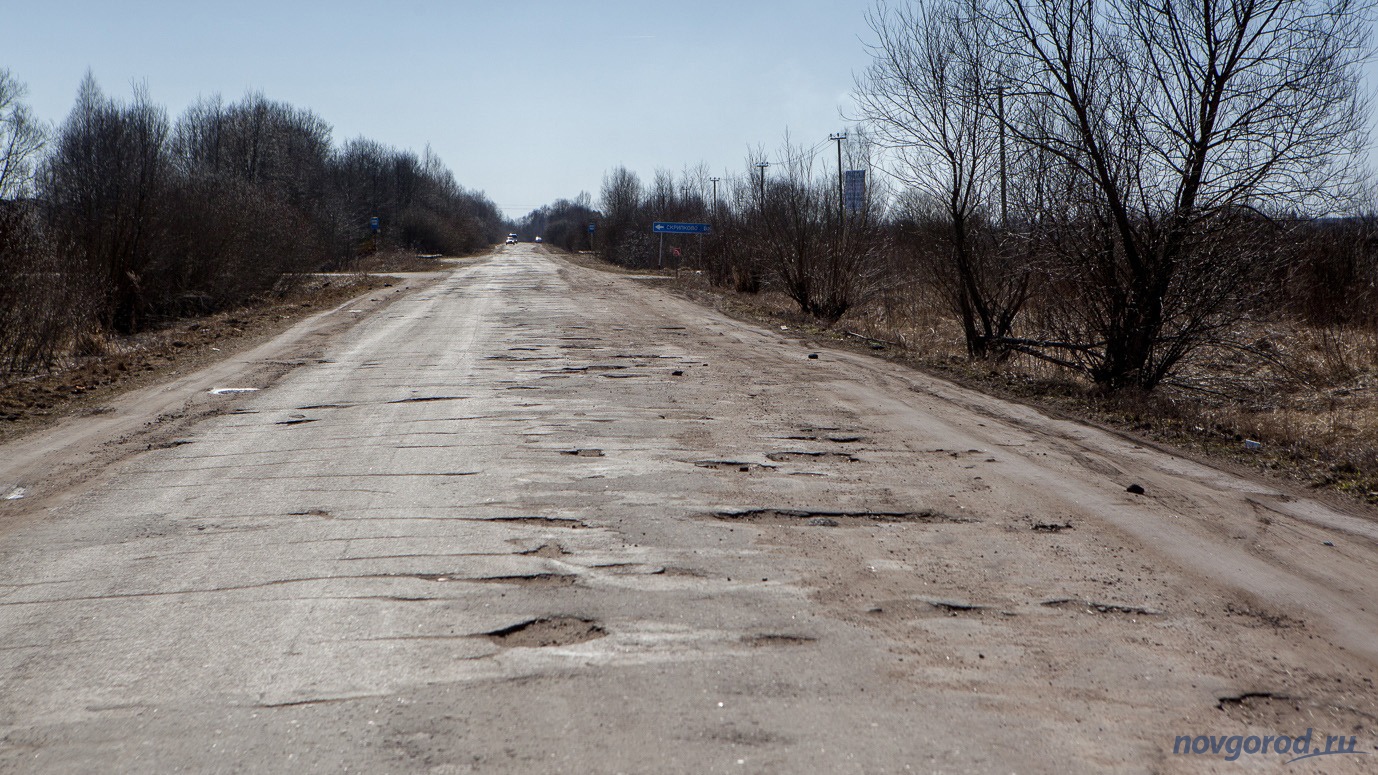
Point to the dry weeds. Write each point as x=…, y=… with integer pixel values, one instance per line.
x=1307, y=395
x=105, y=366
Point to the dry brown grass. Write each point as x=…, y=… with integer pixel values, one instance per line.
x=397, y=261
x=1308, y=395
x=108, y=365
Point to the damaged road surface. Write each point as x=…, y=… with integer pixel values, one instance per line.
x=538, y=518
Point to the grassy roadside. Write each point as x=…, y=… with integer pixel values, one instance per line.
x=118, y=364
x=1312, y=408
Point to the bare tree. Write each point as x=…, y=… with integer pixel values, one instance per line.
x=1179, y=127
x=42, y=292
x=929, y=94
x=103, y=185
x=819, y=256
x=622, y=201
x=22, y=138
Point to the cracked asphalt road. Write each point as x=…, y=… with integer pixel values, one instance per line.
x=532, y=517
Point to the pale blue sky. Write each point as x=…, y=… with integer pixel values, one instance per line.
x=527, y=100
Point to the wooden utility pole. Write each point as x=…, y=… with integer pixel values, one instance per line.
x=841, y=200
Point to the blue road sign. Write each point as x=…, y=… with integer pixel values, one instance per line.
x=667, y=227
x=374, y=223
x=591, y=228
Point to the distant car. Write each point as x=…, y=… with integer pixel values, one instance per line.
x=538, y=239
x=511, y=240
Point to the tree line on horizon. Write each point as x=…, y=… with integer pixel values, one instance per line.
x=119, y=218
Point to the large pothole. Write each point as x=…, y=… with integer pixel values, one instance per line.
x=795, y=455
x=829, y=518
x=742, y=466
x=547, y=632
x=533, y=580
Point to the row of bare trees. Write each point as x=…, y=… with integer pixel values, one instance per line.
x=563, y=223
x=780, y=225
x=119, y=217
x=1113, y=185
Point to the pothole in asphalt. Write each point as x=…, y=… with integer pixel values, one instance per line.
x=1262, y=618
x=169, y=444
x=592, y=367
x=1254, y=707
x=582, y=452
x=427, y=399
x=740, y=466
x=1095, y=607
x=1050, y=527
x=785, y=457
x=548, y=551
x=776, y=639
x=296, y=421
x=693, y=573
x=433, y=577
x=533, y=580
x=322, y=513
x=565, y=522
x=955, y=607
x=547, y=632
x=834, y=518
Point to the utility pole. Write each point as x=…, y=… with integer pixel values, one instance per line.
x=1004, y=195
x=714, y=181
x=841, y=205
x=761, y=165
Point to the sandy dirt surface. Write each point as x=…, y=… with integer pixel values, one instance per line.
x=539, y=518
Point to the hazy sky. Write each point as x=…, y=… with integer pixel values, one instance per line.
x=526, y=100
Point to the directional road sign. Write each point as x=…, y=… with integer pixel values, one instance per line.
x=667, y=227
